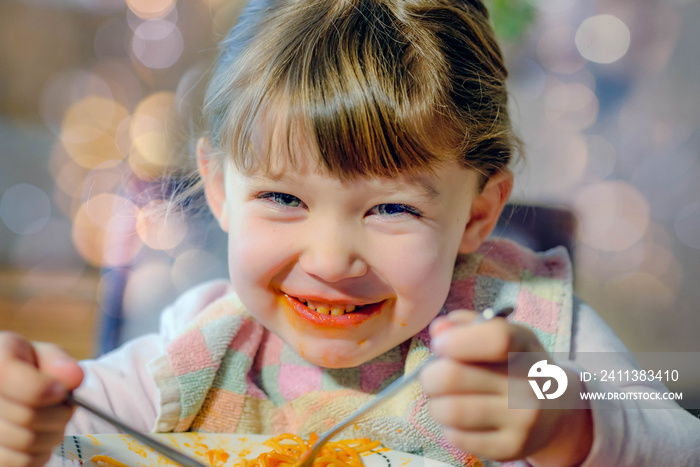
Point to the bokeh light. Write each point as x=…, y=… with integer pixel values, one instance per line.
x=148, y=9
x=152, y=130
x=125, y=86
x=557, y=51
x=564, y=168
x=573, y=105
x=529, y=82
x=660, y=259
x=65, y=88
x=614, y=215
x=158, y=43
x=25, y=209
x=603, y=39
x=102, y=179
x=69, y=177
x=159, y=226
x=89, y=128
x=653, y=254
x=104, y=231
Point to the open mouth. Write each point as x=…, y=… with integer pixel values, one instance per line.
x=333, y=315
x=328, y=309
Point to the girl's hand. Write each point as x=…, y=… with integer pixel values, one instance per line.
x=34, y=381
x=468, y=393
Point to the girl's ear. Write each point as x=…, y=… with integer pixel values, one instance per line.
x=485, y=210
x=214, y=183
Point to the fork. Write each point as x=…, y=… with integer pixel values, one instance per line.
x=389, y=391
x=172, y=454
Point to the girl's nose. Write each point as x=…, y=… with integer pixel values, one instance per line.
x=331, y=256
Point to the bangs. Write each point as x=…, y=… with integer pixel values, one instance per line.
x=349, y=85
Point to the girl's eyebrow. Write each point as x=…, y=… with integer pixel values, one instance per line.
x=425, y=184
x=259, y=176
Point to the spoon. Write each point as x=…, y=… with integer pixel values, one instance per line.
x=389, y=391
x=172, y=454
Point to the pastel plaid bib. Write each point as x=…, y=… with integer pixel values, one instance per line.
x=226, y=373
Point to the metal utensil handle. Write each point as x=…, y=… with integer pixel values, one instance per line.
x=381, y=396
x=173, y=454
x=397, y=385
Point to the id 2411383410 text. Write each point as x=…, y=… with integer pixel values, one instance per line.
x=631, y=376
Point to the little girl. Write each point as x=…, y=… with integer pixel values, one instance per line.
x=357, y=154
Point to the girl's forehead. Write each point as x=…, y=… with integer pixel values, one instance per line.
x=280, y=161
x=284, y=142
x=426, y=183
x=280, y=145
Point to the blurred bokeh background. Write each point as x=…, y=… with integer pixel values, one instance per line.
x=96, y=96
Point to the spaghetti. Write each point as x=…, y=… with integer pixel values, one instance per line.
x=288, y=451
x=106, y=460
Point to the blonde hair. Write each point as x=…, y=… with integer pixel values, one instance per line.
x=377, y=86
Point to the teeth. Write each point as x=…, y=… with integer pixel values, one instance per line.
x=334, y=310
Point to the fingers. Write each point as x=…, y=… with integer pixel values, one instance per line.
x=36, y=375
x=15, y=347
x=499, y=445
x=453, y=318
x=21, y=381
x=21, y=459
x=23, y=439
x=56, y=362
x=482, y=424
x=469, y=412
x=53, y=418
x=489, y=341
x=447, y=376
x=25, y=385
x=468, y=387
x=34, y=380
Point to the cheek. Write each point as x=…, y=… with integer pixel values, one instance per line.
x=255, y=254
x=422, y=277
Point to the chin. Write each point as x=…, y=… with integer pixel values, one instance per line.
x=336, y=363
x=341, y=354
x=329, y=353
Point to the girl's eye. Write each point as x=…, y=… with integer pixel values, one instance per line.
x=283, y=199
x=395, y=209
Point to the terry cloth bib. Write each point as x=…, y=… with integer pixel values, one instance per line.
x=227, y=374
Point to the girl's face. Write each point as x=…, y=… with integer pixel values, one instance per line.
x=344, y=271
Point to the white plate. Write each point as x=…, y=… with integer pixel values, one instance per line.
x=211, y=449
